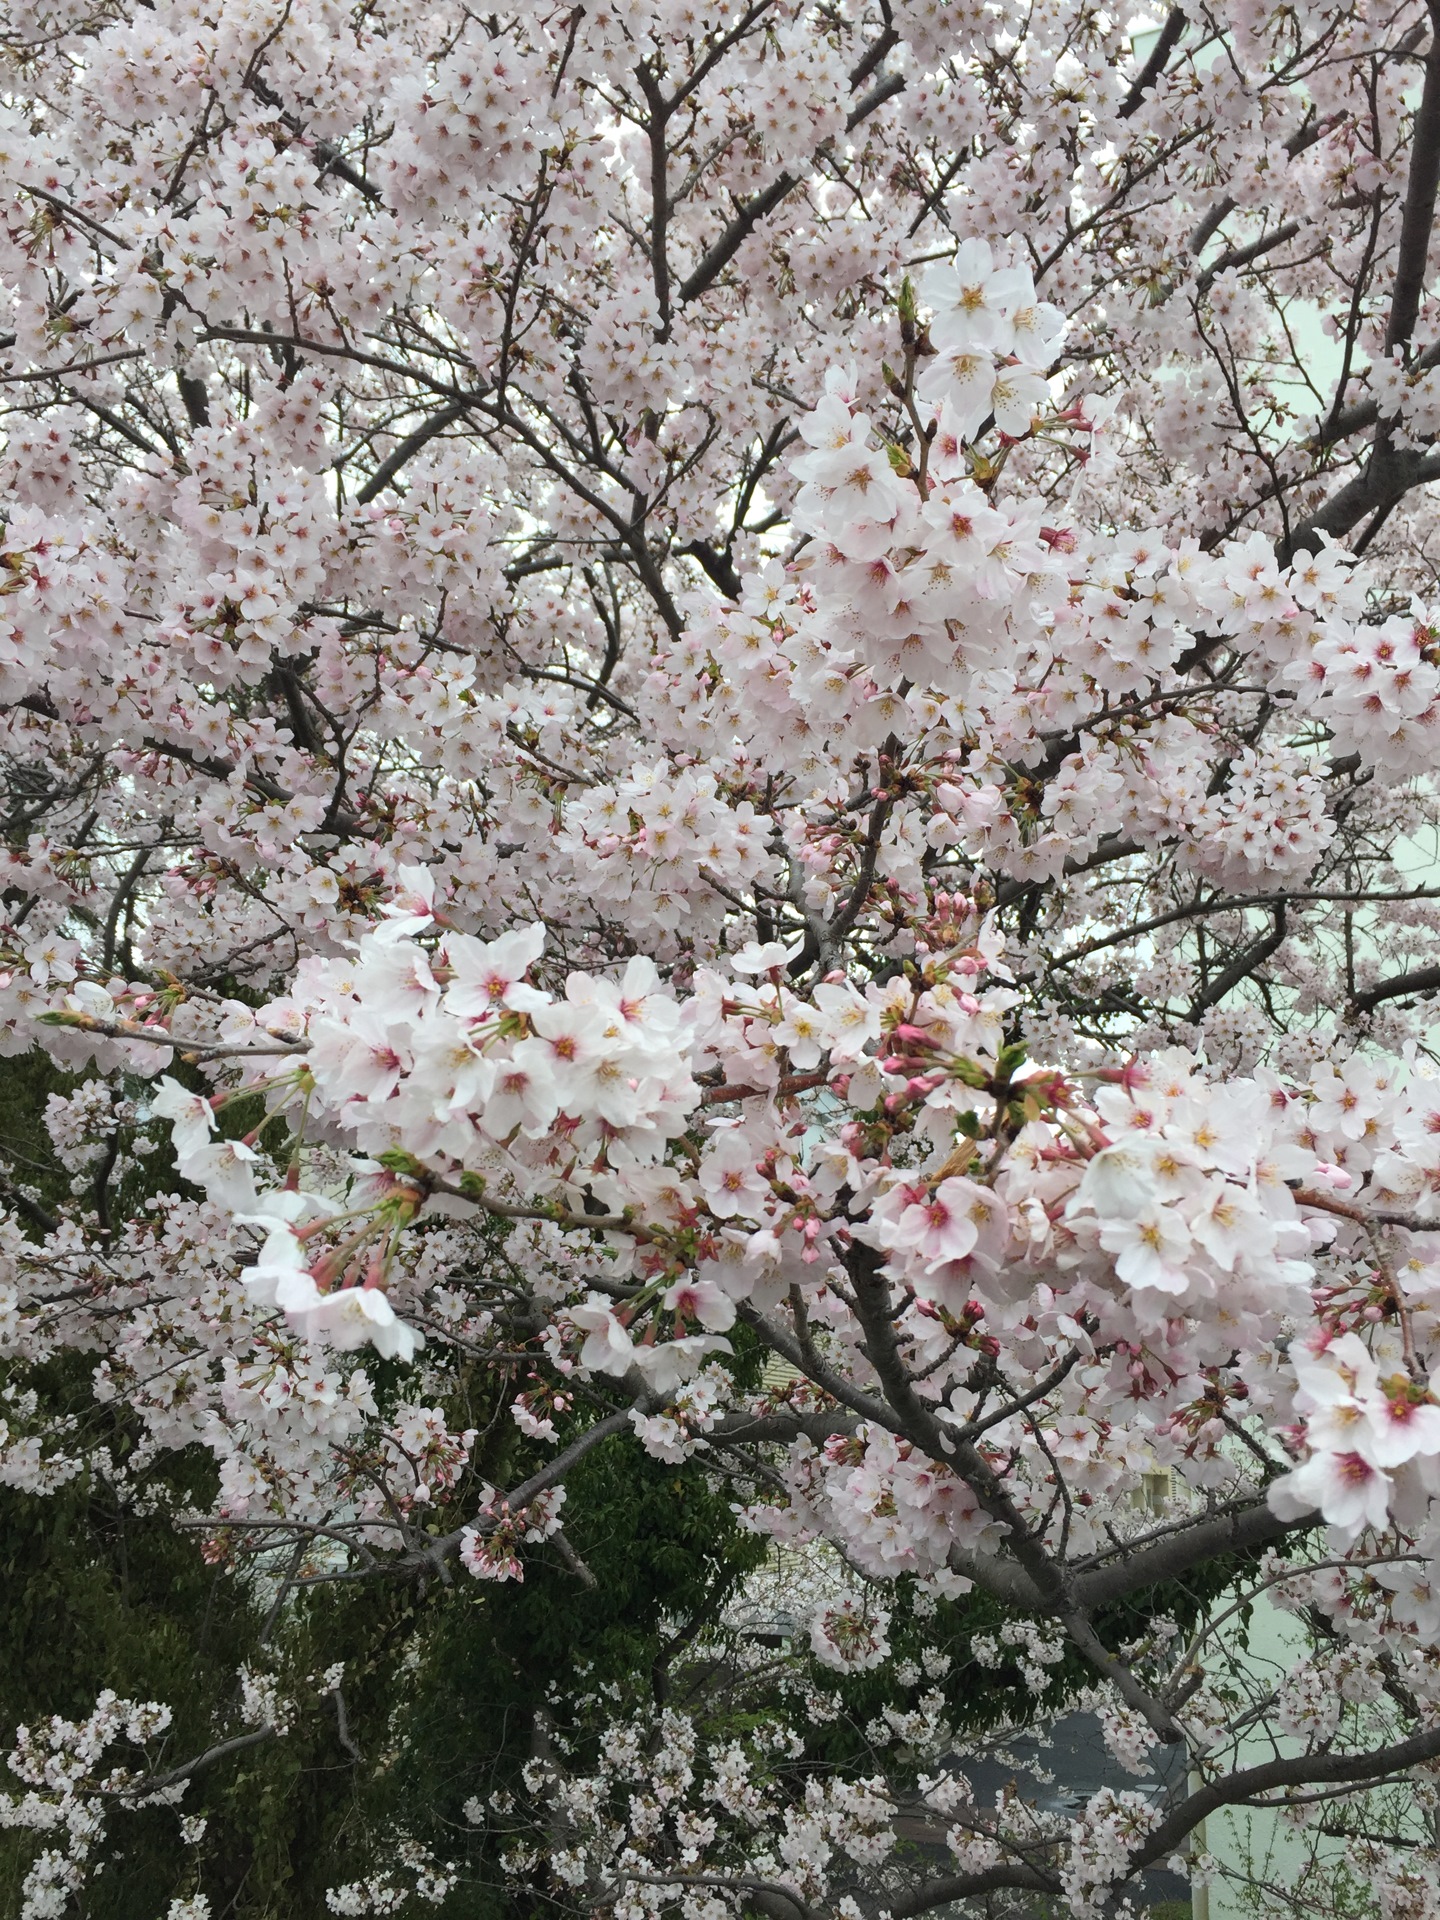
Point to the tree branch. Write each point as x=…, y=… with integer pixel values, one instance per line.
x=1422, y=980
x=1170, y=33
x=1418, y=218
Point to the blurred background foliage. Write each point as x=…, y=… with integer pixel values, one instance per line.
x=441, y=1682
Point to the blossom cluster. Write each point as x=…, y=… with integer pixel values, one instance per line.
x=681, y=685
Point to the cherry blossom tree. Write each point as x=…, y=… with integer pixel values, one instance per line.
x=727, y=711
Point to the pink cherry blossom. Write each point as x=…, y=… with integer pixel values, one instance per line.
x=729, y=1179
x=700, y=1299
x=933, y=1228
x=487, y=977
x=1150, y=1249
x=1347, y=1489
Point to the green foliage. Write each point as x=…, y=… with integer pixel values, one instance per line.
x=93, y=1595
x=26, y=1083
x=441, y=1682
x=440, y=1688
x=662, y=1547
x=33, y=1179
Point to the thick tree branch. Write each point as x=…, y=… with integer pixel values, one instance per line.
x=1402, y=986
x=1418, y=219
x=1304, y=1770
x=1175, y=25
x=400, y=456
